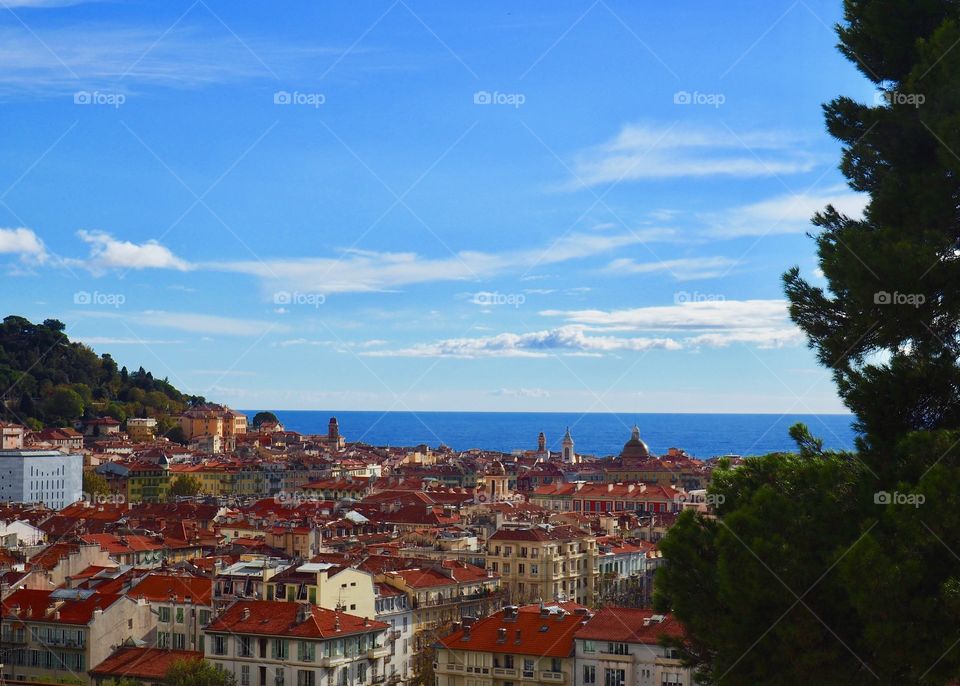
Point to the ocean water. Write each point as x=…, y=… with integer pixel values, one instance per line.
x=701, y=435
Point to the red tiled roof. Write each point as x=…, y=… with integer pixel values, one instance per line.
x=276, y=618
x=159, y=588
x=555, y=641
x=150, y=664
x=627, y=625
x=34, y=604
x=537, y=533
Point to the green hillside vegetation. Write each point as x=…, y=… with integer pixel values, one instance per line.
x=47, y=380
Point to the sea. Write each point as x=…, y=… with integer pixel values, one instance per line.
x=600, y=434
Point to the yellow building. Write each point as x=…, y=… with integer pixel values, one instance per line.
x=141, y=428
x=545, y=563
x=148, y=482
x=327, y=585
x=214, y=420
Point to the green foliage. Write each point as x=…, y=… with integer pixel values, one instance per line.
x=843, y=569
x=263, y=417
x=95, y=484
x=197, y=673
x=52, y=381
x=186, y=485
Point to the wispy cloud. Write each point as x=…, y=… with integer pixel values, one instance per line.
x=370, y=271
x=566, y=341
x=521, y=393
x=698, y=320
x=191, y=322
x=787, y=213
x=50, y=62
x=641, y=151
x=683, y=269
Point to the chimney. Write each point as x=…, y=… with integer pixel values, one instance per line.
x=501, y=635
x=466, y=632
x=245, y=615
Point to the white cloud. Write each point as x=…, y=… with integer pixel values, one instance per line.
x=60, y=61
x=521, y=393
x=106, y=252
x=698, y=320
x=370, y=271
x=188, y=321
x=648, y=152
x=207, y=323
x=567, y=340
x=23, y=242
x=683, y=269
x=787, y=213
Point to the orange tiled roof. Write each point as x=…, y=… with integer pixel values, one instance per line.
x=274, y=618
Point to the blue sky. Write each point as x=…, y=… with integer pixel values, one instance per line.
x=426, y=205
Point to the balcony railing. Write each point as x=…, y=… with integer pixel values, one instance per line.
x=551, y=676
x=457, y=599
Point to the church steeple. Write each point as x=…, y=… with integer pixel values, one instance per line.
x=568, y=456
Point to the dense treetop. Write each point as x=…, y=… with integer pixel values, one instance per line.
x=48, y=380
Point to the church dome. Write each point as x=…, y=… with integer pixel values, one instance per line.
x=635, y=447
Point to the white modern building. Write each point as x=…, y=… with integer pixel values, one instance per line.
x=40, y=476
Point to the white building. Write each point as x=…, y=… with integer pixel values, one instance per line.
x=393, y=608
x=621, y=647
x=271, y=643
x=40, y=476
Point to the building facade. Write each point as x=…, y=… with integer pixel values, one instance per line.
x=41, y=476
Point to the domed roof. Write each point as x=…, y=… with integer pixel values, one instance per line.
x=635, y=447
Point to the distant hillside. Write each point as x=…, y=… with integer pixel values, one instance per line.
x=47, y=380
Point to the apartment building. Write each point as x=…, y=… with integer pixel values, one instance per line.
x=544, y=563
x=530, y=645
x=621, y=647
x=264, y=643
x=56, y=636
x=184, y=605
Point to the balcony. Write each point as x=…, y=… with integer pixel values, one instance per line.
x=378, y=679
x=335, y=660
x=505, y=672
x=377, y=652
x=393, y=635
x=557, y=677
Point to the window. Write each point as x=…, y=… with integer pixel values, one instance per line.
x=361, y=672
x=306, y=651
x=163, y=639
x=244, y=647
x=589, y=647
x=617, y=649
x=244, y=675
x=164, y=614
x=281, y=649
x=508, y=661
x=589, y=674
x=306, y=677
x=614, y=677
x=219, y=645
x=179, y=615
x=527, y=668
x=278, y=676
x=179, y=641
x=534, y=570
x=204, y=617
x=521, y=568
